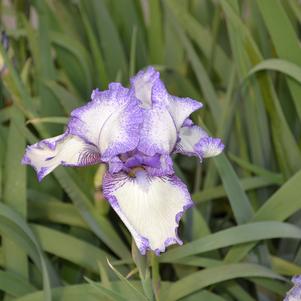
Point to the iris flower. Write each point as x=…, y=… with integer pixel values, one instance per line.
x=134, y=131
x=295, y=293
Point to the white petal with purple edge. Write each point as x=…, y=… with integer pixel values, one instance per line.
x=111, y=121
x=150, y=90
x=143, y=83
x=150, y=207
x=181, y=108
x=194, y=141
x=210, y=147
x=189, y=136
x=163, y=114
x=158, y=133
x=67, y=150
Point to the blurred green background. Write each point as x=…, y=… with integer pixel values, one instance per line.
x=242, y=59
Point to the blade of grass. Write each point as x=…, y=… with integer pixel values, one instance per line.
x=81, y=292
x=199, y=280
x=55, y=212
x=112, y=295
x=99, y=224
x=201, y=74
x=59, y=120
x=11, y=220
x=129, y=15
x=287, y=151
x=14, y=194
x=134, y=293
x=279, y=65
x=70, y=248
x=285, y=39
x=199, y=35
x=232, y=236
x=108, y=36
x=239, y=201
x=14, y=285
x=275, y=208
x=132, y=68
x=75, y=60
x=100, y=69
x=155, y=32
x=67, y=100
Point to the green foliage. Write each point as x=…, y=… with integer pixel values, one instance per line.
x=60, y=241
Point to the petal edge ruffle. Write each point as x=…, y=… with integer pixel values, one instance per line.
x=65, y=149
x=150, y=207
x=194, y=141
x=111, y=121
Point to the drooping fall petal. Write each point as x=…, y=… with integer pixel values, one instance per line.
x=150, y=207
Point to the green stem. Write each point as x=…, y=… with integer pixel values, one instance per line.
x=155, y=275
x=144, y=272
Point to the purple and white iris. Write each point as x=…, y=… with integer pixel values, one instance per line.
x=295, y=293
x=134, y=131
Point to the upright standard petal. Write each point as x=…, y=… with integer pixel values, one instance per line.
x=142, y=84
x=163, y=114
x=158, y=133
x=194, y=141
x=149, y=89
x=179, y=108
x=150, y=207
x=111, y=121
x=66, y=149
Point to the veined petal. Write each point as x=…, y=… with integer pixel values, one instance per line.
x=111, y=121
x=163, y=168
x=115, y=165
x=157, y=165
x=66, y=149
x=150, y=207
x=194, y=141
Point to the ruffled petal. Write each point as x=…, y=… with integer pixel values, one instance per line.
x=179, y=108
x=209, y=147
x=189, y=136
x=66, y=149
x=194, y=141
x=163, y=114
x=111, y=121
x=150, y=207
x=142, y=84
x=150, y=90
